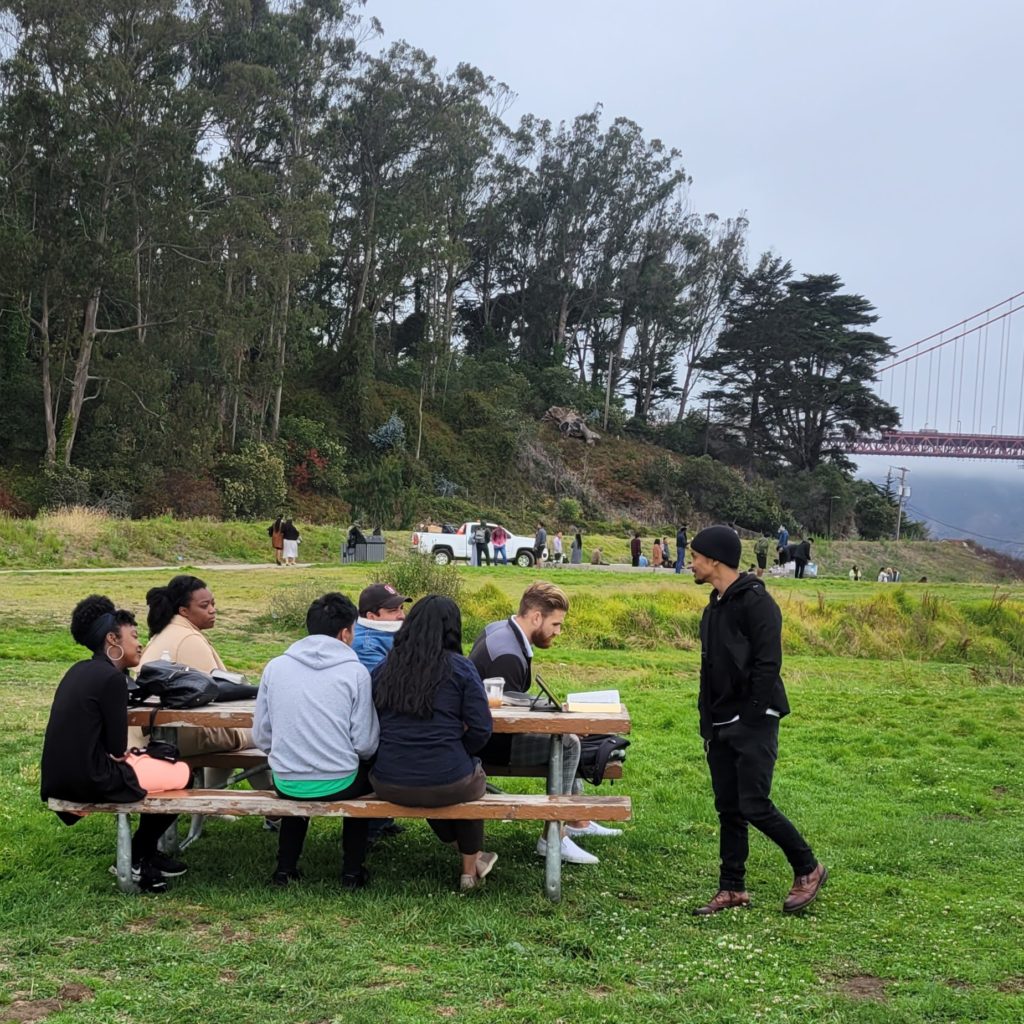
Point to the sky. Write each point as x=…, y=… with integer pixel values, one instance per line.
x=878, y=141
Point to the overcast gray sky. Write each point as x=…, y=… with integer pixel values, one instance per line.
x=879, y=141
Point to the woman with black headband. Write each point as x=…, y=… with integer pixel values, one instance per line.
x=84, y=750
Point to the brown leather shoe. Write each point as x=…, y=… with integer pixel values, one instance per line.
x=724, y=899
x=805, y=889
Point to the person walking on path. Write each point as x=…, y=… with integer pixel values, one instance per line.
x=742, y=699
x=276, y=535
x=291, y=542
x=576, y=550
x=681, y=543
x=540, y=541
x=635, y=549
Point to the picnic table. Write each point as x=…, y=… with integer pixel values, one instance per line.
x=239, y=715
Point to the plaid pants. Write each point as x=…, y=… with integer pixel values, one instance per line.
x=533, y=748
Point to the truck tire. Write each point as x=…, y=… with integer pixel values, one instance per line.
x=524, y=559
x=442, y=556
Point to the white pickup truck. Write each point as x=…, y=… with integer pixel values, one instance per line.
x=453, y=547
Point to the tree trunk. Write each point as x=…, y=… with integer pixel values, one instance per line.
x=613, y=358
x=282, y=342
x=48, y=408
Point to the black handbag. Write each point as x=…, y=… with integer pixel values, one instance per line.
x=232, y=686
x=174, y=685
x=159, y=750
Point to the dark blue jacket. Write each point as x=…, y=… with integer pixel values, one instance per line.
x=438, y=750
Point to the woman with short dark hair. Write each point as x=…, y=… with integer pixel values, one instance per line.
x=433, y=719
x=85, y=755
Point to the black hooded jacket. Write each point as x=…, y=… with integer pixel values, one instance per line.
x=741, y=656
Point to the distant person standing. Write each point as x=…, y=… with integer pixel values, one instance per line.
x=742, y=699
x=499, y=538
x=761, y=553
x=558, y=548
x=276, y=535
x=782, y=545
x=291, y=542
x=635, y=549
x=540, y=541
x=681, y=542
x=855, y=573
x=576, y=550
x=666, y=553
x=801, y=556
x=481, y=538
x=656, y=553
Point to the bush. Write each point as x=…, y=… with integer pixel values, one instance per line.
x=252, y=482
x=315, y=461
x=65, y=486
x=182, y=495
x=287, y=608
x=417, y=575
x=389, y=436
x=569, y=511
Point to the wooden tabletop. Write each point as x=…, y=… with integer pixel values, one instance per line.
x=238, y=714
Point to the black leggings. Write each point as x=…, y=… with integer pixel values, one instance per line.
x=354, y=831
x=467, y=835
x=147, y=835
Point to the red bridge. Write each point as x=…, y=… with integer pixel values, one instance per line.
x=940, y=445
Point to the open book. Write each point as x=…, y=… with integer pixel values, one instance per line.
x=594, y=700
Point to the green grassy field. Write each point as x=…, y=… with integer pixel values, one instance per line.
x=901, y=763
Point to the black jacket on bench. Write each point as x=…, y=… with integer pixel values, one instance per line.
x=88, y=722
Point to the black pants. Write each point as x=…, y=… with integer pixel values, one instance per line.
x=467, y=835
x=800, y=566
x=354, y=831
x=634, y=560
x=742, y=760
x=482, y=554
x=147, y=835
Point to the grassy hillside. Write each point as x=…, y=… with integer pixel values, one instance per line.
x=84, y=538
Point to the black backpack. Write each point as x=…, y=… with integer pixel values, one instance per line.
x=174, y=685
x=595, y=753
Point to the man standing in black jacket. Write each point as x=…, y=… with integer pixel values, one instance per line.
x=741, y=701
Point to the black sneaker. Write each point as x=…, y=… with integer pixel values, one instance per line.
x=353, y=880
x=167, y=866
x=282, y=879
x=148, y=878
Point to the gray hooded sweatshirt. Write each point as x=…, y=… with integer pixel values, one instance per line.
x=314, y=711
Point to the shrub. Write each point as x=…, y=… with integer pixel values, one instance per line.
x=287, y=608
x=66, y=486
x=569, y=510
x=11, y=504
x=417, y=575
x=252, y=481
x=315, y=461
x=181, y=494
x=389, y=436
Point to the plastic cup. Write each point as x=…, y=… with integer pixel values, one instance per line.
x=494, y=686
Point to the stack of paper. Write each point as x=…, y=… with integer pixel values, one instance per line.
x=594, y=700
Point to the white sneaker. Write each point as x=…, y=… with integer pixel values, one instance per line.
x=593, y=829
x=571, y=853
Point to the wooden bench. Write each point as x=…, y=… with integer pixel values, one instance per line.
x=491, y=807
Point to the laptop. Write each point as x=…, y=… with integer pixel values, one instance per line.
x=545, y=700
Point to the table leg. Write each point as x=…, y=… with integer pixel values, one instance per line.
x=553, y=829
x=124, y=854
x=168, y=842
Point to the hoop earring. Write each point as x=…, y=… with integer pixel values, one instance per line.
x=119, y=657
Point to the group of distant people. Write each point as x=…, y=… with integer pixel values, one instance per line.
x=371, y=700
x=661, y=551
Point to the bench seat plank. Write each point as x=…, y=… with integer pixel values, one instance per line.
x=490, y=807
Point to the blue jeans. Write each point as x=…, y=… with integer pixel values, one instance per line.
x=680, y=562
x=504, y=558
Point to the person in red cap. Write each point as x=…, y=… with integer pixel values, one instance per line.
x=742, y=699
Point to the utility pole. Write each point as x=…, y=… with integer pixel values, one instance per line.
x=904, y=493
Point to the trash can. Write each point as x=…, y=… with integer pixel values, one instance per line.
x=371, y=549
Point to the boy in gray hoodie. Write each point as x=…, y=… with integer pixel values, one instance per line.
x=316, y=720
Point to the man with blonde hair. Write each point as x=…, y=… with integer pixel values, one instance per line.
x=505, y=648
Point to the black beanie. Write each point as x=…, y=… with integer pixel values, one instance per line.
x=719, y=543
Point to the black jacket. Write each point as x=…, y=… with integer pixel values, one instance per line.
x=88, y=723
x=741, y=656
